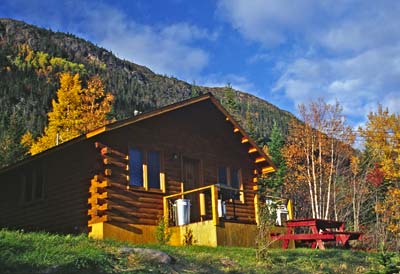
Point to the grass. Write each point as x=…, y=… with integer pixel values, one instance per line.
x=50, y=253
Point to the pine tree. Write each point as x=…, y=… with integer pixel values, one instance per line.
x=230, y=100
x=275, y=181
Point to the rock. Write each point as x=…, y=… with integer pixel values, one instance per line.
x=150, y=254
x=52, y=269
x=226, y=262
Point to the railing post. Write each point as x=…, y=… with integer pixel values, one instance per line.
x=166, y=209
x=214, y=204
x=202, y=198
x=256, y=204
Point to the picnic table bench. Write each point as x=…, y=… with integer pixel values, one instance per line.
x=321, y=231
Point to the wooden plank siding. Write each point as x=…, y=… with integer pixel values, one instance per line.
x=199, y=131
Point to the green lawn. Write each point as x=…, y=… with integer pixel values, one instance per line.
x=49, y=253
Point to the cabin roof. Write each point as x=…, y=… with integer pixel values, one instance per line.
x=146, y=115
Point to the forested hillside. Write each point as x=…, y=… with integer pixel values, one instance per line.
x=32, y=58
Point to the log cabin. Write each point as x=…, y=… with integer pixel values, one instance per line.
x=119, y=181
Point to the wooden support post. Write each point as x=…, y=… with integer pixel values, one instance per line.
x=202, y=198
x=182, y=190
x=214, y=204
x=256, y=204
x=166, y=209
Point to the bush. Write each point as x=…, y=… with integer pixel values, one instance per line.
x=163, y=234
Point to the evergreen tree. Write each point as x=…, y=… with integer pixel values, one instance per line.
x=10, y=150
x=230, y=100
x=194, y=90
x=275, y=181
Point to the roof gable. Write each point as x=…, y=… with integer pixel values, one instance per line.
x=261, y=159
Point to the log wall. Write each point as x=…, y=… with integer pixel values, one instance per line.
x=198, y=132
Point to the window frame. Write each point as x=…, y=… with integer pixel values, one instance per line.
x=31, y=176
x=228, y=170
x=145, y=170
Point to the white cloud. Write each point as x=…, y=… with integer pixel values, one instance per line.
x=237, y=82
x=267, y=21
x=337, y=25
x=168, y=49
x=346, y=50
x=259, y=57
x=359, y=82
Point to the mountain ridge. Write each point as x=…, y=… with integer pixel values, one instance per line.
x=24, y=92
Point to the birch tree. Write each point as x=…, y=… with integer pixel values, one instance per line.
x=315, y=153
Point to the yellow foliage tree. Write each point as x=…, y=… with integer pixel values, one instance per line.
x=389, y=211
x=382, y=136
x=75, y=112
x=95, y=104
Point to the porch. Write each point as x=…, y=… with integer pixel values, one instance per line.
x=215, y=215
x=218, y=217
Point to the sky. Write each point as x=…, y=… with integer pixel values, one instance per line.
x=286, y=52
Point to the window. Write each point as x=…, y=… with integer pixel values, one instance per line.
x=153, y=169
x=28, y=189
x=222, y=178
x=38, y=184
x=235, y=182
x=145, y=169
x=230, y=176
x=135, y=167
x=33, y=186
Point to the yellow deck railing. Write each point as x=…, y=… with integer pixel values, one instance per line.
x=213, y=190
x=214, y=200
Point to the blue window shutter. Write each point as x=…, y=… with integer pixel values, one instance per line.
x=153, y=169
x=222, y=178
x=135, y=167
x=234, y=177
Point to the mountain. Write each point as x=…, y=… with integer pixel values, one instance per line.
x=31, y=59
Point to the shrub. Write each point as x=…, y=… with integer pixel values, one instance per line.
x=163, y=234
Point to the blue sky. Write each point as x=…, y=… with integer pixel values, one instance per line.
x=286, y=52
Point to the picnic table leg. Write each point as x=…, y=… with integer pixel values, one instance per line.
x=318, y=243
x=343, y=239
x=285, y=243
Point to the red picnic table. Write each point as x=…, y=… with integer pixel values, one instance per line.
x=321, y=231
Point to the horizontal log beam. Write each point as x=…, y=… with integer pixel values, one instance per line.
x=126, y=203
x=95, y=220
x=120, y=164
x=260, y=159
x=109, y=151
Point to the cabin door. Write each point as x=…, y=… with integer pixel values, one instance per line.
x=191, y=180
